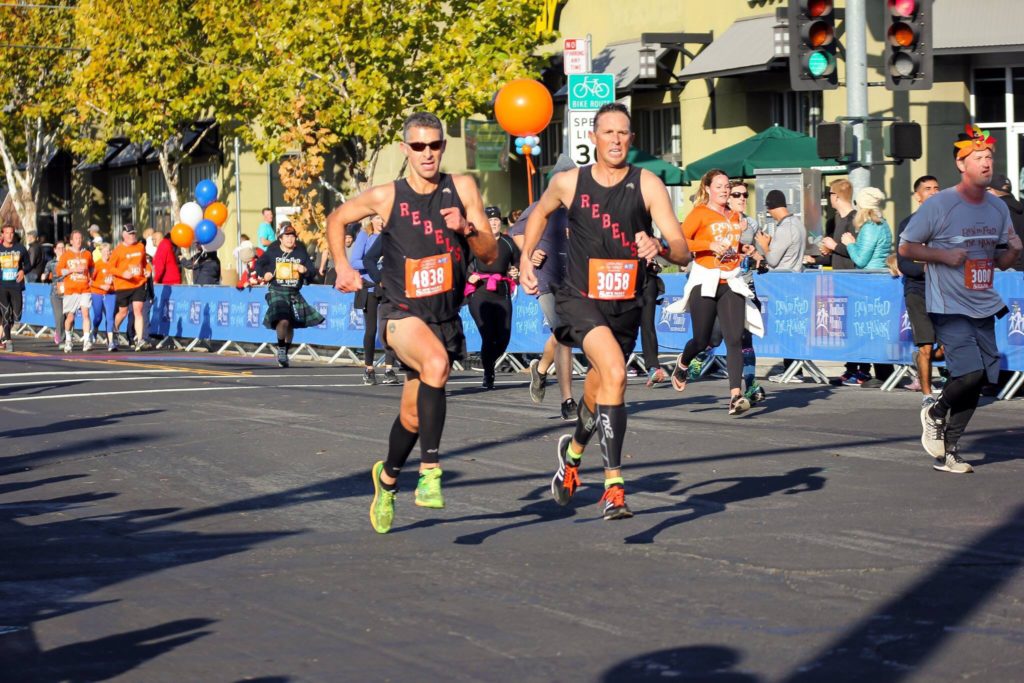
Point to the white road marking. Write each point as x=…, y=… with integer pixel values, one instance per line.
x=122, y=393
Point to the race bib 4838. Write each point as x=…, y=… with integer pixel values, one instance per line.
x=428, y=276
x=612, y=279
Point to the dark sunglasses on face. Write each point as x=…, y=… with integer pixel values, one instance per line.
x=435, y=145
x=737, y=195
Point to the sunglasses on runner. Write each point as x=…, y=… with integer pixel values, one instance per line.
x=737, y=195
x=435, y=145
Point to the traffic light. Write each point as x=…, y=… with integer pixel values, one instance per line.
x=812, y=45
x=908, y=45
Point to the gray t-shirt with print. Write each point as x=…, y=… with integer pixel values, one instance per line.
x=948, y=221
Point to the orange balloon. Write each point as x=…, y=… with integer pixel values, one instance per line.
x=523, y=107
x=182, y=235
x=216, y=212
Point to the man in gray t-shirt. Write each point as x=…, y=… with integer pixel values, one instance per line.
x=963, y=234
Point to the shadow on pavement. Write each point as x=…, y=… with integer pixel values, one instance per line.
x=741, y=489
x=100, y=659
x=892, y=643
x=80, y=423
x=692, y=664
x=53, y=557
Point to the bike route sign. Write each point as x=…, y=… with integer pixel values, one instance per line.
x=587, y=92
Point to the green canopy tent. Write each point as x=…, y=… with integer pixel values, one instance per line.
x=669, y=173
x=776, y=147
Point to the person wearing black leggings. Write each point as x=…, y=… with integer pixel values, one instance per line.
x=489, y=291
x=367, y=300
x=714, y=289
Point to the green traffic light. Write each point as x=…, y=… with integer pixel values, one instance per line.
x=817, y=64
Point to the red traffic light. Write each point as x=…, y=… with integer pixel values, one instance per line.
x=817, y=8
x=903, y=8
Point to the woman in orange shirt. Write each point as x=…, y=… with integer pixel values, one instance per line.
x=713, y=290
x=103, y=298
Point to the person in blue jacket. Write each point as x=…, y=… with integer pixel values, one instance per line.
x=873, y=242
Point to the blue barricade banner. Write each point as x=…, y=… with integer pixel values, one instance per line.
x=824, y=316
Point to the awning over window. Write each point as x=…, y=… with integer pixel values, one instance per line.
x=621, y=59
x=748, y=46
x=978, y=26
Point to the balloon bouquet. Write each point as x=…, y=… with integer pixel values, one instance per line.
x=523, y=109
x=200, y=220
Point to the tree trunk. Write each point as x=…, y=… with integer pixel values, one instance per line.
x=24, y=184
x=171, y=168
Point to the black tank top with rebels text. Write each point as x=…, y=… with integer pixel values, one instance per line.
x=424, y=269
x=603, y=224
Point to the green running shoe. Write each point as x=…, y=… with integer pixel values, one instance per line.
x=382, y=509
x=428, y=490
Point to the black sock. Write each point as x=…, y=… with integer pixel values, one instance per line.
x=432, y=408
x=959, y=399
x=585, y=424
x=400, y=445
x=612, y=430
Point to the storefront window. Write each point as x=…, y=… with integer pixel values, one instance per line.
x=990, y=95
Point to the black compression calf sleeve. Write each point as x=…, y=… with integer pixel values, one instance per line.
x=432, y=408
x=400, y=445
x=612, y=430
x=585, y=424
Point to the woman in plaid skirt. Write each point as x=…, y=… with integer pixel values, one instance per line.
x=286, y=266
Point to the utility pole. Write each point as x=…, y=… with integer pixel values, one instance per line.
x=857, y=88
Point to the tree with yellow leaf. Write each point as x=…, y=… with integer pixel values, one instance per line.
x=144, y=80
x=37, y=57
x=360, y=66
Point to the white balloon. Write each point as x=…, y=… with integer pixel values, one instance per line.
x=190, y=214
x=216, y=243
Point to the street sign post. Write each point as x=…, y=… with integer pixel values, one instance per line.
x=587, y=93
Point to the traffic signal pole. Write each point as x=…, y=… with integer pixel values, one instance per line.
x=857, y=89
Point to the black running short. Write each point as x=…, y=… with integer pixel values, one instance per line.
x=920, y=324
x=448, y=331
x=127, y=296
x=577, y=316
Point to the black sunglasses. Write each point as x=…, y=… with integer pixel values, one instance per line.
x=435, y=145
x=737, y=195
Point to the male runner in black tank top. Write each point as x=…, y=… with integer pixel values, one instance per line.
x=430, y=232
x=611, y=205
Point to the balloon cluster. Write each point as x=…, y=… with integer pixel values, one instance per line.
x=200, y=220
x=528, y=145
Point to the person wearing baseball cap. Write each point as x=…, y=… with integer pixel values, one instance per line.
x=1002, y=187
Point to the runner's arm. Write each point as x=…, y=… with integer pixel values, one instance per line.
x=658, y=203
x=376, y=200
x=481, y=241
x=558, y=194
x=1008, y=259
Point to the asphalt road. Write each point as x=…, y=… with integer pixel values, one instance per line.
x=181, y=517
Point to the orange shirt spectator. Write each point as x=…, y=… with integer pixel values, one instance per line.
x=76, y=267
x=128, y=264
x=703, y=226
